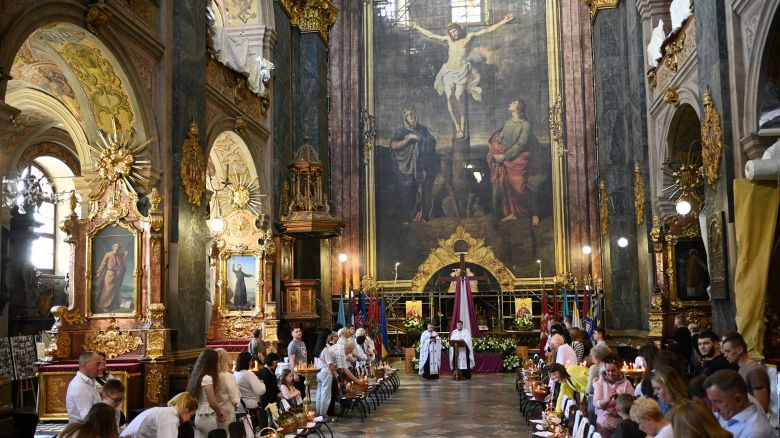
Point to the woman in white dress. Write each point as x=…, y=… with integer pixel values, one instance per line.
x=204, y=384
x=228, y=395
x=163, y=422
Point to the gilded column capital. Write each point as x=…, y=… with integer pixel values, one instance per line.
x=311, y=15
x=597, y=5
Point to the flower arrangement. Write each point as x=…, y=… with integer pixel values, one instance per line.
x=523, y=323
x=413, y=324
x=511, y=363
x=494, y=344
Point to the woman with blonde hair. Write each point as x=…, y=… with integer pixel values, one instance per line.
x=228, y=395
x=669, y=388
x=163, y=422
x=694, y=420
x=647, y=414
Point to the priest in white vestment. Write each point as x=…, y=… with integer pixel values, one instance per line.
x=466, y=354
x=430, y=353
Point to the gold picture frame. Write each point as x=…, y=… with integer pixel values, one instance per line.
x=233, y=278
x=113, y=254
x=678, y=256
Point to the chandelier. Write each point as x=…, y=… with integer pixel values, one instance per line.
x=29, y=191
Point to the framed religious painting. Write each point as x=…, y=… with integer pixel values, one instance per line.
x=690, y=277
x=113, y=276
x=466, y=106
x=241, y=280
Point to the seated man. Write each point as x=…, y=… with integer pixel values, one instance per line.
x=757, y=379
x=82, y=393
x=728, y=394
x=711, y=358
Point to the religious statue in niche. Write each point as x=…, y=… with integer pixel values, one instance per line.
x=415, y=166
x=457, y=75
x=113, y=265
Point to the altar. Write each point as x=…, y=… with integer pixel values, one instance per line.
x=485, y=363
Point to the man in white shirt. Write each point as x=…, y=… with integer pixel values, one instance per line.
x=564, y=354
x=728, y=393
x=82, y=393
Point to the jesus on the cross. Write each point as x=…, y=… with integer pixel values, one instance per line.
x=457, y=76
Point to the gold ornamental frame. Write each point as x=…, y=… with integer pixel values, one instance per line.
x=137, y=271
x=558, y=159
x=240, y=251
x=671, y=273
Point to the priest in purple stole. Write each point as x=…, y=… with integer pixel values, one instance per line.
x=430, y=353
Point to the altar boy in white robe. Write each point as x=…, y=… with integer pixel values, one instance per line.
x=466, y=354
x=430, y=353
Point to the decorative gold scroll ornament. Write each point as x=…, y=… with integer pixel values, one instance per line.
x=113, y=341
x=597, y=5
x=193, y=167
x=711, y=139
x=154, y=384
x=603, y=209
x=155, y=344
x=639, y=194
x=444, y=255
x=311, y=15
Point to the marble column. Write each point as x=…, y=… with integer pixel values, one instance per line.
x=346, y=143
x=622, y=135
x=188, y=287
x=712, y=57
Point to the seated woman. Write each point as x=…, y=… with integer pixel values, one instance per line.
x=289, y=392
x=647, y=414
x=669, y=388
x=163, y=422
x=249, y=385
x=100, y=422
x=611, y=384
x=569, y=380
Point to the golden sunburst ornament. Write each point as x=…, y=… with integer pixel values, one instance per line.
x=118, y=160
x=240, y=193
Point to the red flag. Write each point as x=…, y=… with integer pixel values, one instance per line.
x=543, y=323
x=555, y=312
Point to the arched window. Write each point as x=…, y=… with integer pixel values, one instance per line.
x=44, y=247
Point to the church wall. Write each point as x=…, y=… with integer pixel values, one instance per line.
x=188, y=260
x=619, y=91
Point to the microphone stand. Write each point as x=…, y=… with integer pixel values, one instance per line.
x=395, y=315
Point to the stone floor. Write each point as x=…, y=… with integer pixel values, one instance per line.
x=487, y=405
